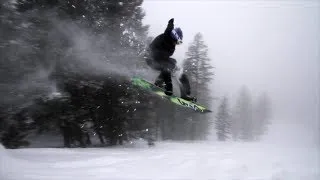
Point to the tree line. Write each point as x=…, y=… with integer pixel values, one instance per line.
x=66, y=68
x=247, y=120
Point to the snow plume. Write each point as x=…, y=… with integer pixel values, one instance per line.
x=26, y=63
x=32, y=52
x=10, y=3
x=38, y=82
x=95, y=53
x=85, y=48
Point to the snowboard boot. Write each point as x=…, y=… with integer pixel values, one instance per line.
x=160, y=83
x=189, y=98
x=168, y=93
x=164, y=81
x=168, y=88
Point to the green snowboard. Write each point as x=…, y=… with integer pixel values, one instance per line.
x=139, y=82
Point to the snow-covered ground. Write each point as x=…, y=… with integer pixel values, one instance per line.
x=166, y=160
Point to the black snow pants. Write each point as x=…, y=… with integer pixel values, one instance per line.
x=166, y=69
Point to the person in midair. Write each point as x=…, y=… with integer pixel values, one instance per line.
x=159, y=58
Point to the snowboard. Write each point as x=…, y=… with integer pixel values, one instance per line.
x=146, y=85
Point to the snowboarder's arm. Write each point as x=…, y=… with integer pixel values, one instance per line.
x=169, y=27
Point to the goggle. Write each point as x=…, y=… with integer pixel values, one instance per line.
x=179, y=40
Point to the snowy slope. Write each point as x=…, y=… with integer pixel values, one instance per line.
x=167, y=160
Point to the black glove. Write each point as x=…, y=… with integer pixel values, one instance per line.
x=169, y=27
x=171, y=21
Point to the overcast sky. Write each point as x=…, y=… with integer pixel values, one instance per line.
x=266, y=45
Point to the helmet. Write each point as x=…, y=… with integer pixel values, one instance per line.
x=177, y=35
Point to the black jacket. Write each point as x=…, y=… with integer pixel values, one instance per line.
x=163, y=46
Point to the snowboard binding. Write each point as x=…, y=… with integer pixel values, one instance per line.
x=189, y=98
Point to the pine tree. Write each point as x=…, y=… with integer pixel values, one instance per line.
x=261, y=115
x=119, y=24
x=222, y=123
x=69, y=37
x=197, y=66
x=199, y=70
x=242, y=125
x=117, y=38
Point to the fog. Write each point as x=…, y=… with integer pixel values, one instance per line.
x=266, y=45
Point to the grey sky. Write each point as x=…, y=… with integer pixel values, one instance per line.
x=269, y=46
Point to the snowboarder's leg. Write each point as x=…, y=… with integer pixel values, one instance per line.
x=160, y=81
x=168, y=81
x=185, y=85
x=172, y=65
x=164, y=79
x=185, y=89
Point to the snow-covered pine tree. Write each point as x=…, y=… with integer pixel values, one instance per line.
x=261, y=115
x=197, y=65
x=222, y=122
x=70, y=39
x=242, y=121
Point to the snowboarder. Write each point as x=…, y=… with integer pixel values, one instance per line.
x=158, y=58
